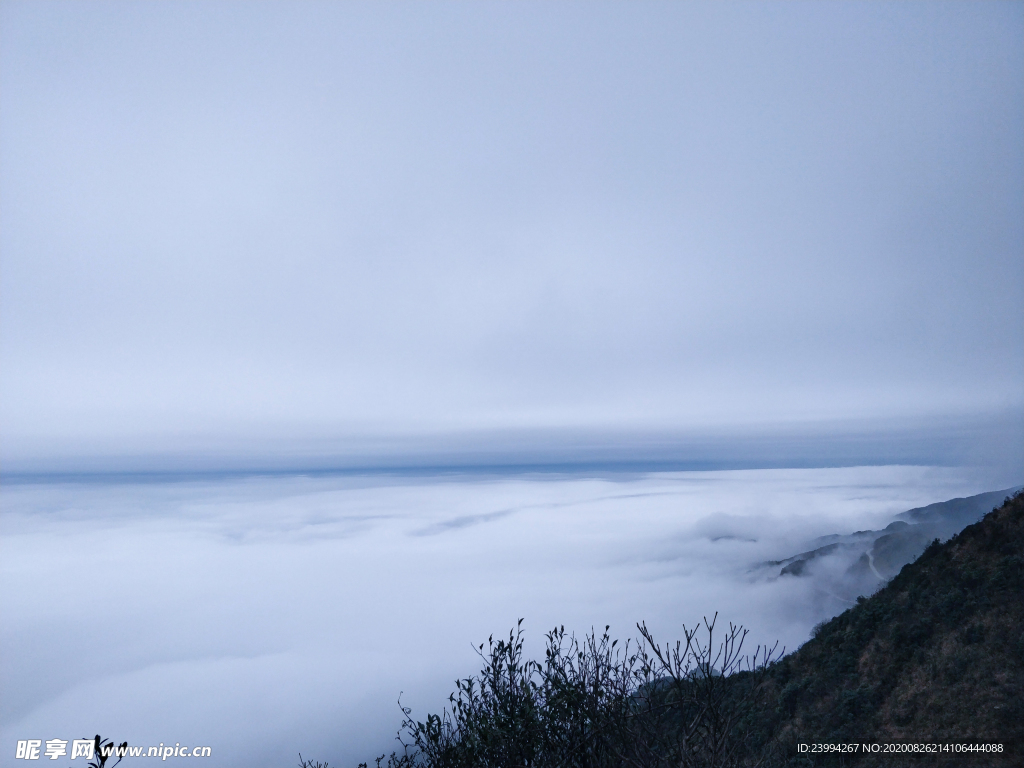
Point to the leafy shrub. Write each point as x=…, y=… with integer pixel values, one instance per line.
x=591, y=703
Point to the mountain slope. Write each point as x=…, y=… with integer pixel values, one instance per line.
x=936, y=656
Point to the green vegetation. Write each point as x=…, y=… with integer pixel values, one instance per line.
x=936, y=656
x=590, y=703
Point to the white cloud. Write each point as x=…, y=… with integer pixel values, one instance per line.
x=264, y=616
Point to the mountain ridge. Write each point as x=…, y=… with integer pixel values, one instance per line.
x=874, y=556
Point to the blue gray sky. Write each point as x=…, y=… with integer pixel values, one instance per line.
x=325, y=226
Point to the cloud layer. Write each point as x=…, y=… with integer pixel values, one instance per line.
x=263, y=616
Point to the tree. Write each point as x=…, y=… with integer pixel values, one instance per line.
x=591, y=703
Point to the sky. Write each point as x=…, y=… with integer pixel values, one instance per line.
x=336, y=227
x=768, y=243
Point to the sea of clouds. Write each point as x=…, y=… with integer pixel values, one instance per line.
x=264, y=616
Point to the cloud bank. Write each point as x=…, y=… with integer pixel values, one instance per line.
x=263, y=616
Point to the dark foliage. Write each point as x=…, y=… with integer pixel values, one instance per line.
x=591, y=703
x=103, y=750
x=936, y=656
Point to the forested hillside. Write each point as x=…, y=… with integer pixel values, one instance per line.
x=936, y=656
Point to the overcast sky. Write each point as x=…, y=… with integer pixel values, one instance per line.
x=241, y=220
